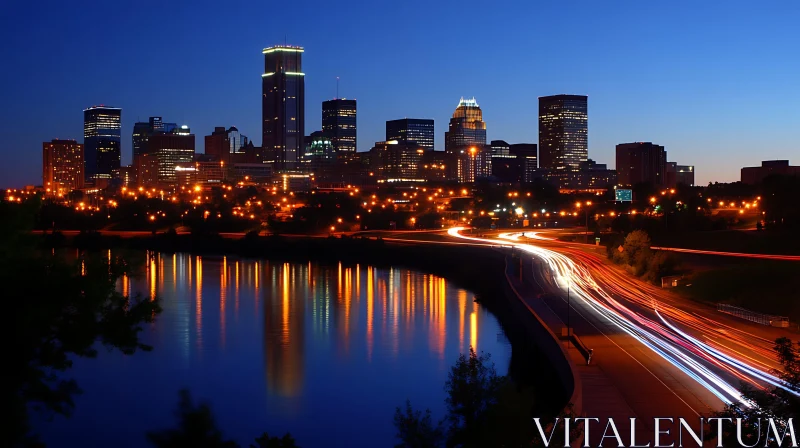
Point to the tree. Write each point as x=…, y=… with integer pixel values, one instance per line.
x=265, y=441
x=59, y=310
x=196, y=428
x=637, y=250
x=778, y=403
x=416, y=430
x=472, y=389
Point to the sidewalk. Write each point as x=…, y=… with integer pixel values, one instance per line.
x=600, y=396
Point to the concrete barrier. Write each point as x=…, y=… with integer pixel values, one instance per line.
x=551, y=347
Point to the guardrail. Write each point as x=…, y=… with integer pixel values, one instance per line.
x=752, y=316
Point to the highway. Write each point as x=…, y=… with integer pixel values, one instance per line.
x=666, y=356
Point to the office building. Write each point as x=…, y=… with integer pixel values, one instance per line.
x=142, y=131
x=467, y=127
x=513, y=163
x=526, y=154
x=283, y=105
x=563, y=131
x=236, y=141
x=228, y=145
x=127, y=175
x=146, y=170
x=411, y=130
x=339, y=122
x=62, y=166
x=101, y=141
x=320, y=155
x=470, y=163
x=434, y=166
x=171, y=149
x=756, y=174
x=679, y=175
x=641, y=162
x=217, y=145
x=505, y=167
x=396, y=162
x=205, y=171
x=685, y=175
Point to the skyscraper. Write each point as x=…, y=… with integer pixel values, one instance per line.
x=283, y=105
x=466, y=127
x=143, y=130
x=62, y=166
x=411, y=130
x=141, y=134
x=171, y=149
x=101, y=141
x=641, y=162
x=339, y=122
x=563, y=131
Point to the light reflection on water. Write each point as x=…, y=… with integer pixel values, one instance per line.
x=325, y=352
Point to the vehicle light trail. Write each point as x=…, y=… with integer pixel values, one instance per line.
x=712, y=365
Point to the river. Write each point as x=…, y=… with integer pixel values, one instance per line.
x=326, y=352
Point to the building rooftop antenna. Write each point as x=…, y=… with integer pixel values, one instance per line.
x=337, y=88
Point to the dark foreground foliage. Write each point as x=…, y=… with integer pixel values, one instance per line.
x=59, y=310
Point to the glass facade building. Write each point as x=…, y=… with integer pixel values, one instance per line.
x=411, y=130
x=62, y=166
x=171, y=150
x=466, y=128
x=563, y=131
x=101, y=141
x=339, y=122
x=283, y=105
x=236, y=141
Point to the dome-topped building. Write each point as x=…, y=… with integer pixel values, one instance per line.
x=466, y=127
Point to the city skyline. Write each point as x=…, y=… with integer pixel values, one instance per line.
x=702, y=105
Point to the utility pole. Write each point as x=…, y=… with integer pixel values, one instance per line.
x=569, y=307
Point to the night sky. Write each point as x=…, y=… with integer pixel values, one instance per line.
x=716, y=82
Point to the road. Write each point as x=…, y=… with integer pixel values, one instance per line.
x=666, y=355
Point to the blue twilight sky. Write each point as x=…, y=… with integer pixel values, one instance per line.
x=716, y=82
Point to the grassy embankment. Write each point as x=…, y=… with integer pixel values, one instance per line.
x=765, y=286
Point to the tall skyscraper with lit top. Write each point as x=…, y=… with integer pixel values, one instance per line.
x=467, y=127
x=283, y=106
x=563, y=131
x=339, y=121
x=101, y=141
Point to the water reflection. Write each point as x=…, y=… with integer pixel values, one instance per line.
x=326, y=352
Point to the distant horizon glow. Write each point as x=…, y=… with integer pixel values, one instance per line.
x=682, y=75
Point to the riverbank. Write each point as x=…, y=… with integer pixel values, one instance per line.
x=478, y=269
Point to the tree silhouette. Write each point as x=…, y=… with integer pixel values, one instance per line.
x=778, y=403
x=197, y=428
x=472, y=390
x=58, y=310
x=416, y=430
